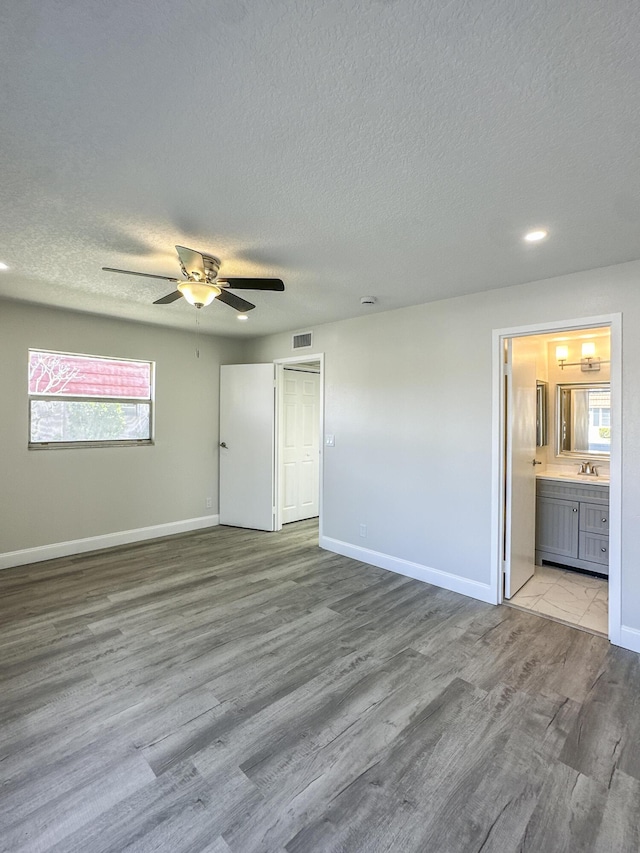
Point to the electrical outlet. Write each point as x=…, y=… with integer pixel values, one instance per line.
x=209, y=503
x=363, y=531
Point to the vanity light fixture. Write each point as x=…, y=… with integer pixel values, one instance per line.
x=562, y=354
x=589, y=363
x=242, y=316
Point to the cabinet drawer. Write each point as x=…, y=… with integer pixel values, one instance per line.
x=594, y=519
x=591, y=493
x=594, y=548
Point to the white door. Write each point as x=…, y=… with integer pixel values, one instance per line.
x=520, y=510
x=299, y=449
x=247, y=422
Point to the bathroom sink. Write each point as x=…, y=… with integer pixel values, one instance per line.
x=575, y=478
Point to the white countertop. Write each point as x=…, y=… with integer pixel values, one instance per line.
x=600, y=479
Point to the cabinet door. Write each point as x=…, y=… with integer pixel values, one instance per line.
x=557, y=526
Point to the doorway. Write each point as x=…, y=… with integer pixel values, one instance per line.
x=298, y=431
x=552, y=578
x=270, y=456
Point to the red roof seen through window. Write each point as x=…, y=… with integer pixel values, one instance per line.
x=81, y=376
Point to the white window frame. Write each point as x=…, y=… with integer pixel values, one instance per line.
x=125, y=442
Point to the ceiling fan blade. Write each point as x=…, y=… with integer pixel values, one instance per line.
x=145, y=274
x=235, y=301
x=170, y=297
x=253, y=283
x=193, y=263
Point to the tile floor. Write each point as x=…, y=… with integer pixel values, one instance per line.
x=567, y=596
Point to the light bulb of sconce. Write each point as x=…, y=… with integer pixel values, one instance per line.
x=562, y=353
x=243, y=316
x=588, y=350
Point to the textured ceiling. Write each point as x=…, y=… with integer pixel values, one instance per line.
x=398, y=149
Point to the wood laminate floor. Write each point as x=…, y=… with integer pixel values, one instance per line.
x=230, y=690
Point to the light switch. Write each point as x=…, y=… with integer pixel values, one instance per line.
x=330, y=440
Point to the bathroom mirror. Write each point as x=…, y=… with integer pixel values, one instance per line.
x=583, y=419
x=541, y=414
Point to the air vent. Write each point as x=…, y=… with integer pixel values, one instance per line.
x=301, y=341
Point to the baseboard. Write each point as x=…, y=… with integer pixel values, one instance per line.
x=445, y=580
x=629, y=639
x=107, y=540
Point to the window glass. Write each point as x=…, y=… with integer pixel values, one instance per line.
x=78, y=399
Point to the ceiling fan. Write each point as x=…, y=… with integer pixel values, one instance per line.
x=202, y=284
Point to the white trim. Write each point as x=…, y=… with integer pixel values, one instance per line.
x=629, y=638
x=279, y=362
x=436, y=577
x=106, y=540
x=614, y=322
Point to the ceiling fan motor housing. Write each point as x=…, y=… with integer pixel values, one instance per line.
x=211, y=269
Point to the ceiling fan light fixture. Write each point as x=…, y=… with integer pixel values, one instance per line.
x=198, y=293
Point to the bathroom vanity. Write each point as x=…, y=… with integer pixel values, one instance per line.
x=572, y=522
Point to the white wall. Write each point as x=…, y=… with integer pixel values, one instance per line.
x=408, y=397
x=53, y=496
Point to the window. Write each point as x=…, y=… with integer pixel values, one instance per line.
x=77, y=400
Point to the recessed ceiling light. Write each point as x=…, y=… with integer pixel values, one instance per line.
x=3, y=266
x=243, y=316
x=536, y=236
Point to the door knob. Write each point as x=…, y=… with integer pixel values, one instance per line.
x=223, y=444
x=535, y=462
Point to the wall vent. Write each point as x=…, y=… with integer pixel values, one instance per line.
x=301, y=341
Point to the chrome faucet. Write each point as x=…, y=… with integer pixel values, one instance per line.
x=588, y=468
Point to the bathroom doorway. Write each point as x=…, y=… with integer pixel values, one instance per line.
x=557, y=531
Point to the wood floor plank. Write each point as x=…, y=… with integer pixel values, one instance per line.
x=63, y=814
x=568, y=815
x=232, y=691
x=605, y=732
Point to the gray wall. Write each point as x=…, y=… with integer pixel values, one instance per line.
x=52, y=496
x=408, y=397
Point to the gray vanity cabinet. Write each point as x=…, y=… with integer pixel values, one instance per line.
x=572, y=524
x=557, y=526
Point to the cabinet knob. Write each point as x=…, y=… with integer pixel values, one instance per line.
x=575, y=509
x=604, y=550
x=604, y=520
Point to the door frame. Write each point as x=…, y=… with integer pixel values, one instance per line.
x=498, y=453
x=279, y=365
